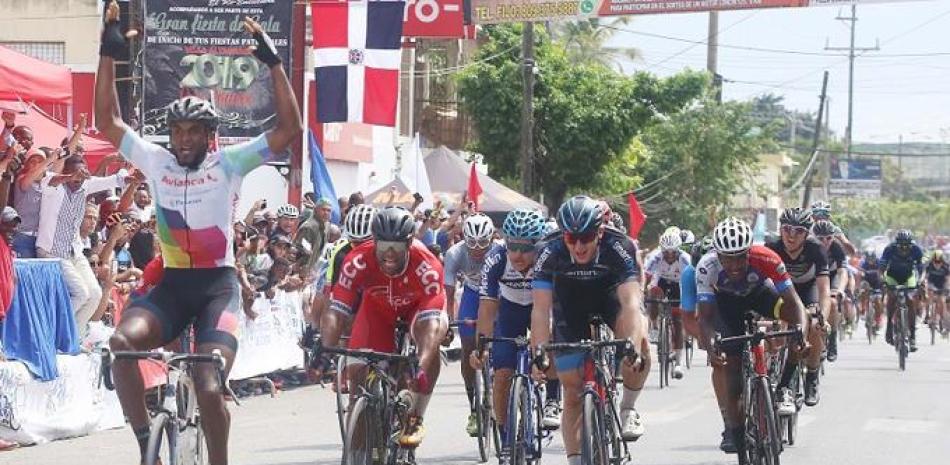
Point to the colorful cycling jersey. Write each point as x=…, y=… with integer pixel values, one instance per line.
x=657, y=267
x=587, y=286
x=459, y=262
x=937, y=274
x=501, y=279
x=195, y=208
x=900, y=266
x=807, y=266
x=765, y=268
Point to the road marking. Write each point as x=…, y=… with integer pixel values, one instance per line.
x=894, y=425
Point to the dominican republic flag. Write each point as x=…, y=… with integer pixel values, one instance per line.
x=356, y=51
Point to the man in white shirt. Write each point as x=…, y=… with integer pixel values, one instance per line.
x=61, y=214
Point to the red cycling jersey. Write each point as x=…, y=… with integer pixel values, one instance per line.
x=379, y=300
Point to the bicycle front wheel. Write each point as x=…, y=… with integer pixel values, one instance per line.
x=162, y=440
x=364, y=443
x=663, y=352
x=593, y=442
x=483, y=416
x=764, y=425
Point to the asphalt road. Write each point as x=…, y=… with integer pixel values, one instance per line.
x=870, y=413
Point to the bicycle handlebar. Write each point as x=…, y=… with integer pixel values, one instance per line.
x=756, y=337
x=369, y=355
x=169, y=358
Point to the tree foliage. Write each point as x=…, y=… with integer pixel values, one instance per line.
x=585, y=114
x=865, y=218
x=586, y=41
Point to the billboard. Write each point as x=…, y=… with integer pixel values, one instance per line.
x=199, y=47
x=505, y=11
x=434, y=18
x=855, y=178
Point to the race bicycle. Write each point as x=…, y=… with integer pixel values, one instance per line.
x=664, y=342
x=900, y=327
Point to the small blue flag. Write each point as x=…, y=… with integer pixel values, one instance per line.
x=320, y=177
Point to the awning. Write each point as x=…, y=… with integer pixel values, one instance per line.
x=23, y=77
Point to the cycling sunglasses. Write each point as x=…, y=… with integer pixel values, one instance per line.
x=482, y=243
x=794, y=230
x=522, y=247
x=572, y=239
x=826, y=238
x=399, y=247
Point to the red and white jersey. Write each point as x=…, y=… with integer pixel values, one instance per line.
x=765, y=268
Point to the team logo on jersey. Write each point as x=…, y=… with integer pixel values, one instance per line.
x=780, y=268
x=752, y=278
x=350, y=268
x=429, y=278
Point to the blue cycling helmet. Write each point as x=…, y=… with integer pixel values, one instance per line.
x=580, y=215
x=524, y=224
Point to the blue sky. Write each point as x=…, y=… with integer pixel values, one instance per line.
x=894, y=95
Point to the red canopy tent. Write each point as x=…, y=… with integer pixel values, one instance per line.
x=47, y=132
x=25, y=78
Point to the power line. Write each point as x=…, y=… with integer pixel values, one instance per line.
x=746, y=17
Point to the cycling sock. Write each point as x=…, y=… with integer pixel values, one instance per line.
x=574, y=459
x=141, y=436
x=420, y=403
x=553, y=390
x=629, y=398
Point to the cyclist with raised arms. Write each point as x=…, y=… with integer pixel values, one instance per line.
x=738, y=276
x=392, y=277
x=807, y=266
x=465, y=260
x=588, y=270
x=505, y=308
x=663, y=268
x=195, y=193
x=902, y=264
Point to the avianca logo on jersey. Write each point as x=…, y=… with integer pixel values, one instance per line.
x=349, y=270
x=429, y=278
x=184, y=182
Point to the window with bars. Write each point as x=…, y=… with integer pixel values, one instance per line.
x=52, y=52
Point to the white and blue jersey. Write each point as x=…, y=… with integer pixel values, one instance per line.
x=512, y=289
x=458, y=263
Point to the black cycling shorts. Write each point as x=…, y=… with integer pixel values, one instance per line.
x=808, y=293
x=671, y=289
x=731, y=310
x=573, y=324
x=209, y=297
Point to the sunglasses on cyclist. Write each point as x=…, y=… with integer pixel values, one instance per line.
x=826, y=238
x=482, y=243
x=398, y=247
x=794, y=230
x=572, y=239
x=522, y=247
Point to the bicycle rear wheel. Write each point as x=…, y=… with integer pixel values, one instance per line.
x=900, y=338
x=593, y=442
x=162, y=445
x=365, y=443
x=483, y=416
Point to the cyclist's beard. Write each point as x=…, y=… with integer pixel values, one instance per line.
x=191, y=158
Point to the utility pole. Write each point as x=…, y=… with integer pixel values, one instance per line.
x=527, y=110
x=853, y=19
x=712, y=53
x=806, y=198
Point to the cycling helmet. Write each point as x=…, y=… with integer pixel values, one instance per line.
x=796, y=216
x=904, y=236
x=393, y=224
x=524, y=224
x=580, y=215
x=820, y=208
x=732, y=236
x=672, y=230
x=701, y=248
x=287, y=211
x=192, y=109
x=550, y=226
x=478, y=227
x=358, y=224
x=670, y=242
x=823, y=228
x=687, y=237
x=617, y=221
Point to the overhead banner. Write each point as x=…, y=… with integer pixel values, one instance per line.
x=855, y=178
x=506, y=11
x=200, y=47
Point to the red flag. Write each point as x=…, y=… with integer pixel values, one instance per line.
x=637, y=218
x=474, y=188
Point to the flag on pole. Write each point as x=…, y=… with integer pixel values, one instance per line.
x=637, y=218
x=320, y=177
x=474, y=188
x=356, y=54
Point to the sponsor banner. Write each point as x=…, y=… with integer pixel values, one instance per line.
x=854, y=188
x=506, y=11
x=434, y=18
x=856, y=169
x=74, y=404
x=200, y=47
x=269, y=342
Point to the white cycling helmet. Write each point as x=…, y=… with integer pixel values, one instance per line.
x=670, y=241
x=358, y=225
x=478, y=228
x=687, y=236
x=287, y=211
x=732, y=236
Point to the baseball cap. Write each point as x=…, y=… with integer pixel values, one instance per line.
x=10, y=215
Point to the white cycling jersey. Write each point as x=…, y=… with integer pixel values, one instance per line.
x=658, y=268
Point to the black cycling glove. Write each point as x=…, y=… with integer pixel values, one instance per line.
x=266, y=51
x=113, y=42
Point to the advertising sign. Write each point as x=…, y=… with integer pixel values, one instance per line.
x=433, y=18
x=200, y=47
x=855, y=178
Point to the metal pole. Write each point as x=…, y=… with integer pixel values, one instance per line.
x=712, y=43
x=850, y=132
x=806, y=198
x=527, y=110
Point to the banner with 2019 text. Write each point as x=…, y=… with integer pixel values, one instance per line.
x=200, y=47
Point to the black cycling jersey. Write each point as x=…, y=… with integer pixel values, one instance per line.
x=581, y=291
x=804, y=269
x=937, y=275
x=837, y=259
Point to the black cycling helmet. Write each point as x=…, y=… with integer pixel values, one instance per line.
x=796, y=216
x=824, y=228
x=393, y=224
x=904, y=236
x=580, y=215
x=700, y=248
x=192, y=109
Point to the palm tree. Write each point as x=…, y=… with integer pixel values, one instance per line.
x=586, y=39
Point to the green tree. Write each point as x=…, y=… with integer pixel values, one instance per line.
x=864, y=218
x=586, y=41
x=585, y=114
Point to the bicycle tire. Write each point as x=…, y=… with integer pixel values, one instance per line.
x=688, y=346
x=768, y=445
x=340, y=401
x=900, y=336
x=484, y=423
x=363, y=422
x=518, y=422
x=663, y=351
x=593, y=444
x=159, y=451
